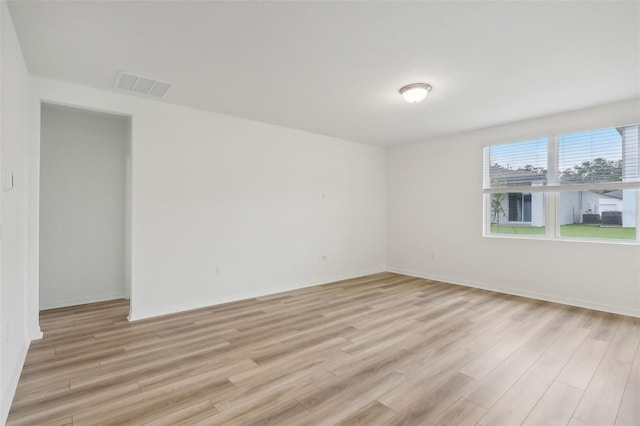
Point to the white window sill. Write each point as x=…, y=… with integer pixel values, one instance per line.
x=563, y=239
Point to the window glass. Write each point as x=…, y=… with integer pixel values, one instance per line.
x=517, y=213
x=599, y=156
x=516, y=164
x=609, y=214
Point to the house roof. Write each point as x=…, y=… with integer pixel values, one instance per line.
x=515, y=177
x=613, y=194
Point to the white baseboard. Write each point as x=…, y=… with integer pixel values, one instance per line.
x=524, y=293
x=36, y=334
x=136, y=316
x=10, y=391
x=82, y=300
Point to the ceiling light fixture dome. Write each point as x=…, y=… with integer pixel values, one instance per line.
x=415, y=92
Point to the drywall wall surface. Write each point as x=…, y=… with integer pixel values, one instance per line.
x=82, y=206
x=225, y=208
x=435, y=222
x=14, y=114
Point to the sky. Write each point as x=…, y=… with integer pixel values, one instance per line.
x=519, y=154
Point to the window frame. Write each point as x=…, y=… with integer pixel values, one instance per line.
x=551, y=196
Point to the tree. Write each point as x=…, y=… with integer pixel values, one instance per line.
x=496, y=207
x=598, y=170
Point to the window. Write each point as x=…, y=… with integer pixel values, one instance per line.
x=584, y=184
x=513, y=166
x=516, y=164
x=517, y=213
x=603, y=214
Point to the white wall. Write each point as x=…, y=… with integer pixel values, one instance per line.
x=538, y=209
x=82, y=206
x=17, y=323
x=448, y=244
x=607, y=204
x=629, y=207
x=568, y=209
x=211, y=190
x=590, y=203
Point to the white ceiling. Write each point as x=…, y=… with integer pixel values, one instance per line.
x=334, y=68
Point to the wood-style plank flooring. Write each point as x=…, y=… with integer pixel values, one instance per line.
x=381, y=349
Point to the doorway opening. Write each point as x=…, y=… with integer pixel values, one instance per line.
x=84, y=223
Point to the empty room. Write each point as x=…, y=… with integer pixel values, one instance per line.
x=320, y=213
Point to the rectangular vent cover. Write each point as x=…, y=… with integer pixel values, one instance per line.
x=139, y=84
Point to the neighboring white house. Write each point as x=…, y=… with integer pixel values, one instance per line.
x=522, y=208
x=527, y=209
x=575, y=204
x=519, y=208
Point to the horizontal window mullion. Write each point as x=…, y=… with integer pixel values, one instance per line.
x=507, y=189
x=560, y=188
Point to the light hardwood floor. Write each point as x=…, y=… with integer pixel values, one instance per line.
x=381, y=349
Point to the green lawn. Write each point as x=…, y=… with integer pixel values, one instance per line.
x=575, y=230
x=590, y=231
x=515, y=229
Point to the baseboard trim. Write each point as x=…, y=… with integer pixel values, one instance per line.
x=36, y=335
x=10, y=391
x=523, y=293
x=82, y=300
x=137, y=316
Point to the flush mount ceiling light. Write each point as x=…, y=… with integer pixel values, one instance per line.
x=415, y=92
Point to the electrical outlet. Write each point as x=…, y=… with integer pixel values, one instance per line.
x=217, y=269
x=322, y=196
x=323, y=258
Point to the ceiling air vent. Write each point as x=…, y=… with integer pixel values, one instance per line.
x=139, y=84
